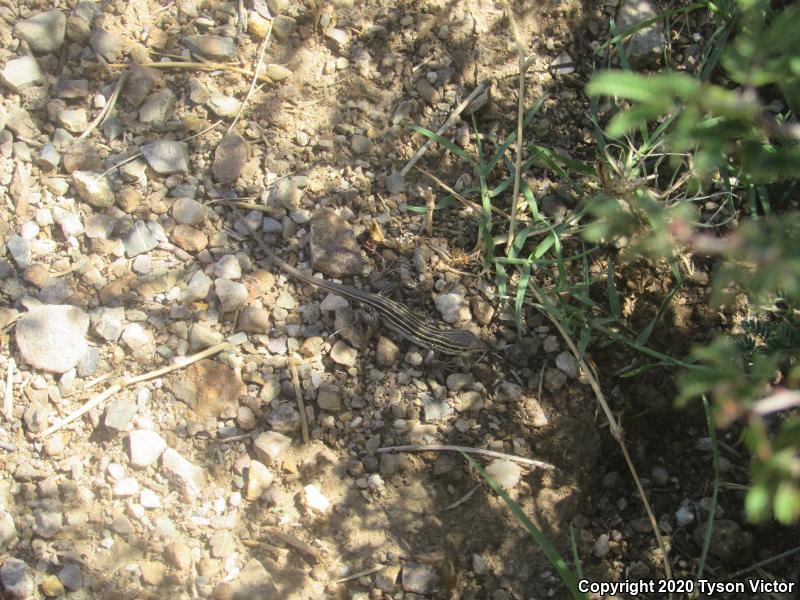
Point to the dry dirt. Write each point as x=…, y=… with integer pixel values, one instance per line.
x=353, y=67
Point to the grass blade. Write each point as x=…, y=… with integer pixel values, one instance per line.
x=558, y=562
x=445, y=143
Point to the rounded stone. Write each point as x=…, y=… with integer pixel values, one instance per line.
x=51, y=337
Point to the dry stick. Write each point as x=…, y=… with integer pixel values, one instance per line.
x=296, y=543
x=467, y=450
x=463, y=498
x=616, y=430
x=112, y=101
x=298, y=394
x=125, y=382
x=191, y=65
x=523, y=66
x=8, y=402
x=360, y=574
x=459, y=197
x=255, y=77
x=447, y=124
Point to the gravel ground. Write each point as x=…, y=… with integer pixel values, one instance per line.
x=255, y=471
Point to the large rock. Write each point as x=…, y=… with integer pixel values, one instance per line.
x=51, y=337
x=43, y=32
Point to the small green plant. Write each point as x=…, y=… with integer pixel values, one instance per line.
x=725, y=142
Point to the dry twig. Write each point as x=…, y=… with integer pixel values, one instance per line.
x=446, y=125
x=523, y=67
x=298, y=394
x=255, y=76
x=110, y=104
x=467, y=450
x=194, y=66
x=8, y=402
x=128, y=381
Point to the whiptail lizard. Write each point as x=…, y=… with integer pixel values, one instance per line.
x=393, y=315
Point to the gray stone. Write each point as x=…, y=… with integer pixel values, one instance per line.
x=72, y=88
x=20, y=250
x=107, y=44
x=100, y=226
x=51, y=337
x=334, y=249
x=167, y=157
x=20, y=122
x=119, y=415
x=230, y=158
x=554, y=379
x=188, y=477
x=74, y=120
x=109, y=323
x=69, y=222
x=139, y=239
x=157, y=108
x=232, y=294
x=8, y=529
x=567, y=363
x=419, y=578
x=48, y=523
x=48, y=158
x=395, y=183
x=286, y=194
x=270, y=446
x=435, y=409
x=188, y=211
x=228, y=267
x=224, y=106
x=17, y=578
x=459, y=381
x=139, y=84
x=202, y=336
x=360, y=145
x=198, y=288
x=284, y=419
x=89, y=363
x=213, y=47
x=21, y=73
x=646, y=46
x=329, y=397
x=72, y=577
x=94, y=188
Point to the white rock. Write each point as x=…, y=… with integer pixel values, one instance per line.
x=505, y=472
x=149, y=499
x=189, y=477
x=21, y=73
x=127, y=487
x=51, y=337
x=270, y=446
x=315, y=500
x=145, y=447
